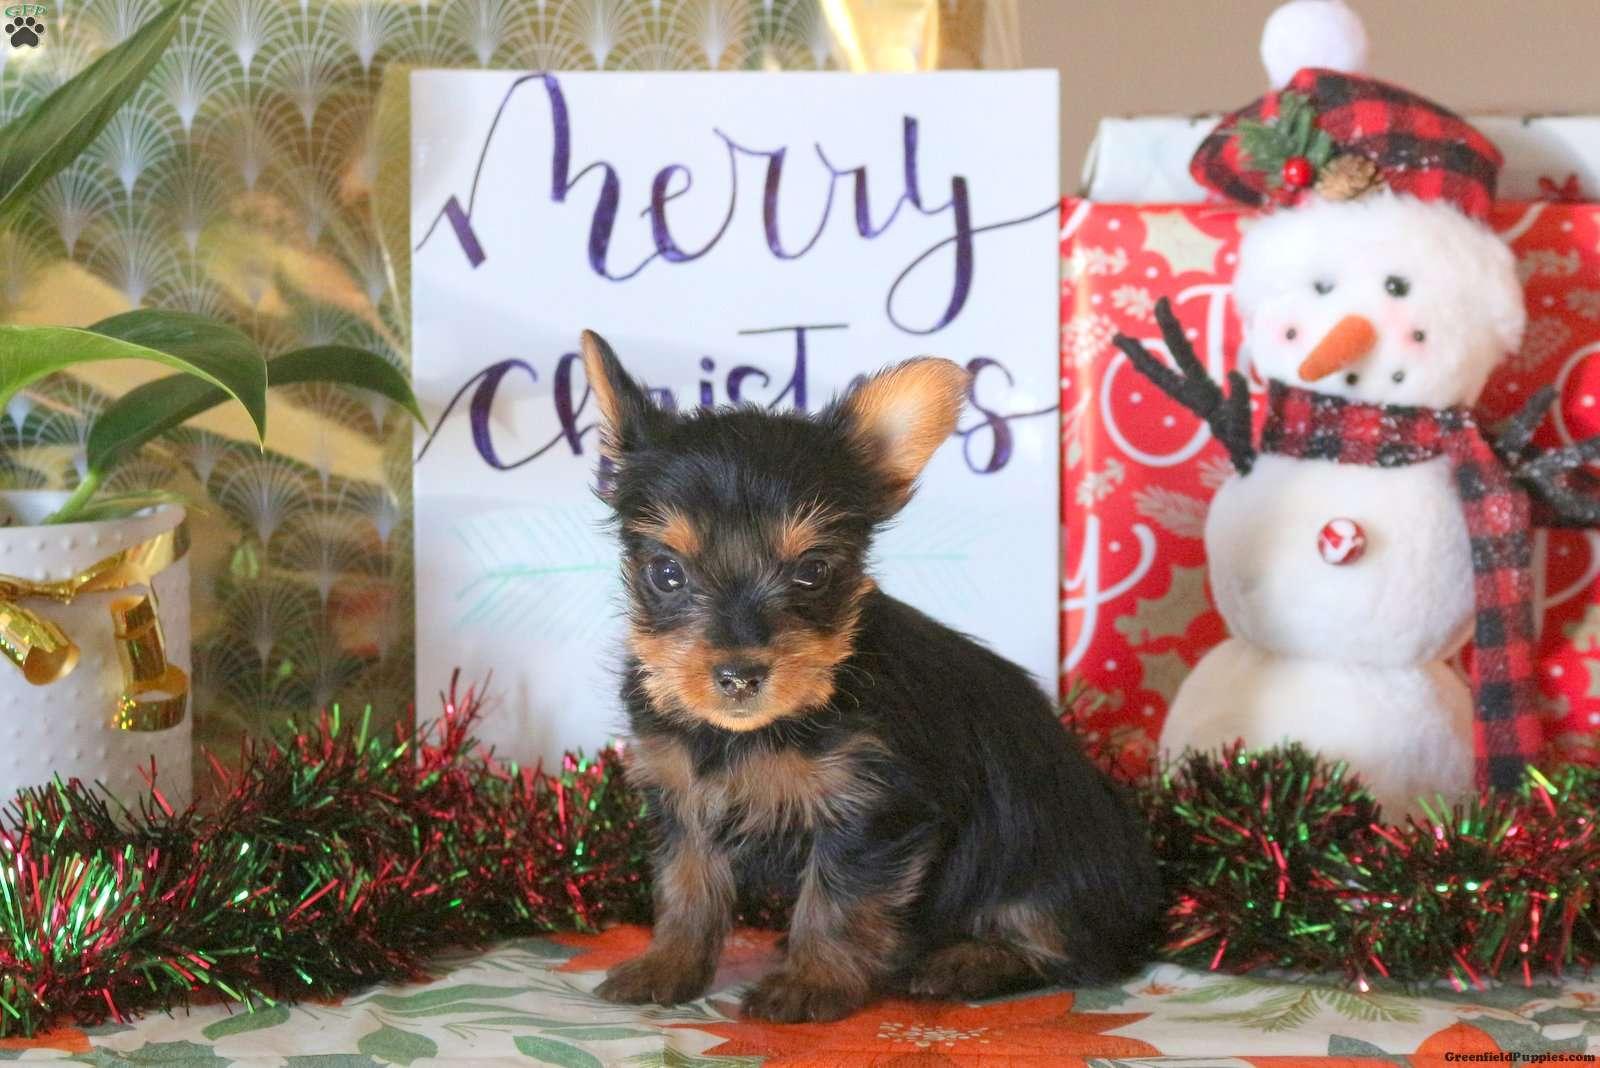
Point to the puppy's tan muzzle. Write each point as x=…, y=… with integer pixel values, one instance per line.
x=1350, y=339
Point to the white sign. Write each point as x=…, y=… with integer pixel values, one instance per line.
x=760, y=238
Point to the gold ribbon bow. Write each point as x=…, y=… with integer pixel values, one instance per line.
x=155, y=692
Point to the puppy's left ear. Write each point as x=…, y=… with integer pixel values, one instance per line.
x=624, y=407
x=899, y=416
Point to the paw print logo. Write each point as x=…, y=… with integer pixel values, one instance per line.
x=24, y=31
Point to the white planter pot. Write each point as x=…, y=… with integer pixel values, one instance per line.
x=67, y=727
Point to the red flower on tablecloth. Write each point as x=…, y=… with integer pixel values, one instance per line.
x=905, y=1033
x=603, y=951
x=748, y=953
x=67, y=1039
x=1456, y=1039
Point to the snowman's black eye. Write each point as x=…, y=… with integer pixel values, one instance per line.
x=1398, y=377
x=1290, y=334
x=1322, y=286
x=1396, y=286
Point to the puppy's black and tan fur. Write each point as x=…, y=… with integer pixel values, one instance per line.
x=938, y=831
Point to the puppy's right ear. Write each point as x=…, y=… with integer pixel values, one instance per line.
x=624, y=407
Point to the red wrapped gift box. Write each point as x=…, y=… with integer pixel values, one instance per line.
x=1138, y=471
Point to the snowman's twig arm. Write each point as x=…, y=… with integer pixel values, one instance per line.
x=1228, y=414
x=1166, y=380
x=1519, y=431
x=1236, y=436
x=1549, y=476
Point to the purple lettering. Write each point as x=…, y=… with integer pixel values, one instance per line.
x=676, y=180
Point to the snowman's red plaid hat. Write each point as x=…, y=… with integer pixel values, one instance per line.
x=1417, y=146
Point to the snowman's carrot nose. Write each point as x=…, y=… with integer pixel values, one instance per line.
x=1350, y=339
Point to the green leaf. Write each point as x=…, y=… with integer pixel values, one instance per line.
x=37, y=145
x=28, y=353
x=549, y=1051
x=446, y=995
x=589, y=1033
x=455, y=1008
x=1099, y=998
x=1299, y=126
x=122, y=505
x=1263, y=147
x=1343, y=1046
x=1372, y=1008
x=241, y=1022
x=1266, y=146
x=1525, y=1038
x=348, y=366
x=225, y=355
x=183, y=1054
x=1321, y=150
x=397, y=1046
x=154, y=408
x=1222, y=990
x=673, y=1058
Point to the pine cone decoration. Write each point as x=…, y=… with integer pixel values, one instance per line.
x=1348, y=176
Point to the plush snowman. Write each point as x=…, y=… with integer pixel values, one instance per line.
x=1372, y=528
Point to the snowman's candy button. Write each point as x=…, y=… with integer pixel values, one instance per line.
x=1341, y=541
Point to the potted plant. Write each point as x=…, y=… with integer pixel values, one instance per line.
x=94, y=588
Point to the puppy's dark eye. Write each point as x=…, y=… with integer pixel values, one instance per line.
x=811, y=574
x=1396, y=286
x=666, y=574
x=1322, y=286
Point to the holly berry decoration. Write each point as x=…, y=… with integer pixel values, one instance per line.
x=1289, y=147
x=1297, y=172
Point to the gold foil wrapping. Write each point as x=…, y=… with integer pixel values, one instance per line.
x=155, y=693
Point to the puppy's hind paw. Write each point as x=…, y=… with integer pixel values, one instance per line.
x=784, y=997
x=655, y=978
x=971, y=971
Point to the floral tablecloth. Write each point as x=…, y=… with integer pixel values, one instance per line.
x=530, y=1001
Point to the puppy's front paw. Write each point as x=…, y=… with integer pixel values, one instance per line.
x=656, y=978
x=785, y=997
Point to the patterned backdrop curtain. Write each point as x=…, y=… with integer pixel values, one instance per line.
x=259, y=176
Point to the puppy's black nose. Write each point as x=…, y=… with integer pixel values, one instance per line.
x=739, y=679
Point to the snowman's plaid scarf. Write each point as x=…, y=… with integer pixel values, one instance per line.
x=1309, y=425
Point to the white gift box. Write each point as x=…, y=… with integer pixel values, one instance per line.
x=1145, y=160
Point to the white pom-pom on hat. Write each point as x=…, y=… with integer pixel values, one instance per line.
x=1312, y=33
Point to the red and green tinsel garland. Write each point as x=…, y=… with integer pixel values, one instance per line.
x=333, y=860
x=1275, y=858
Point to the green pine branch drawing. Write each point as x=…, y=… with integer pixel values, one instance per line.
x=540, y=568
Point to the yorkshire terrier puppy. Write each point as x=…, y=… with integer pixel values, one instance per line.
x=938, y=831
